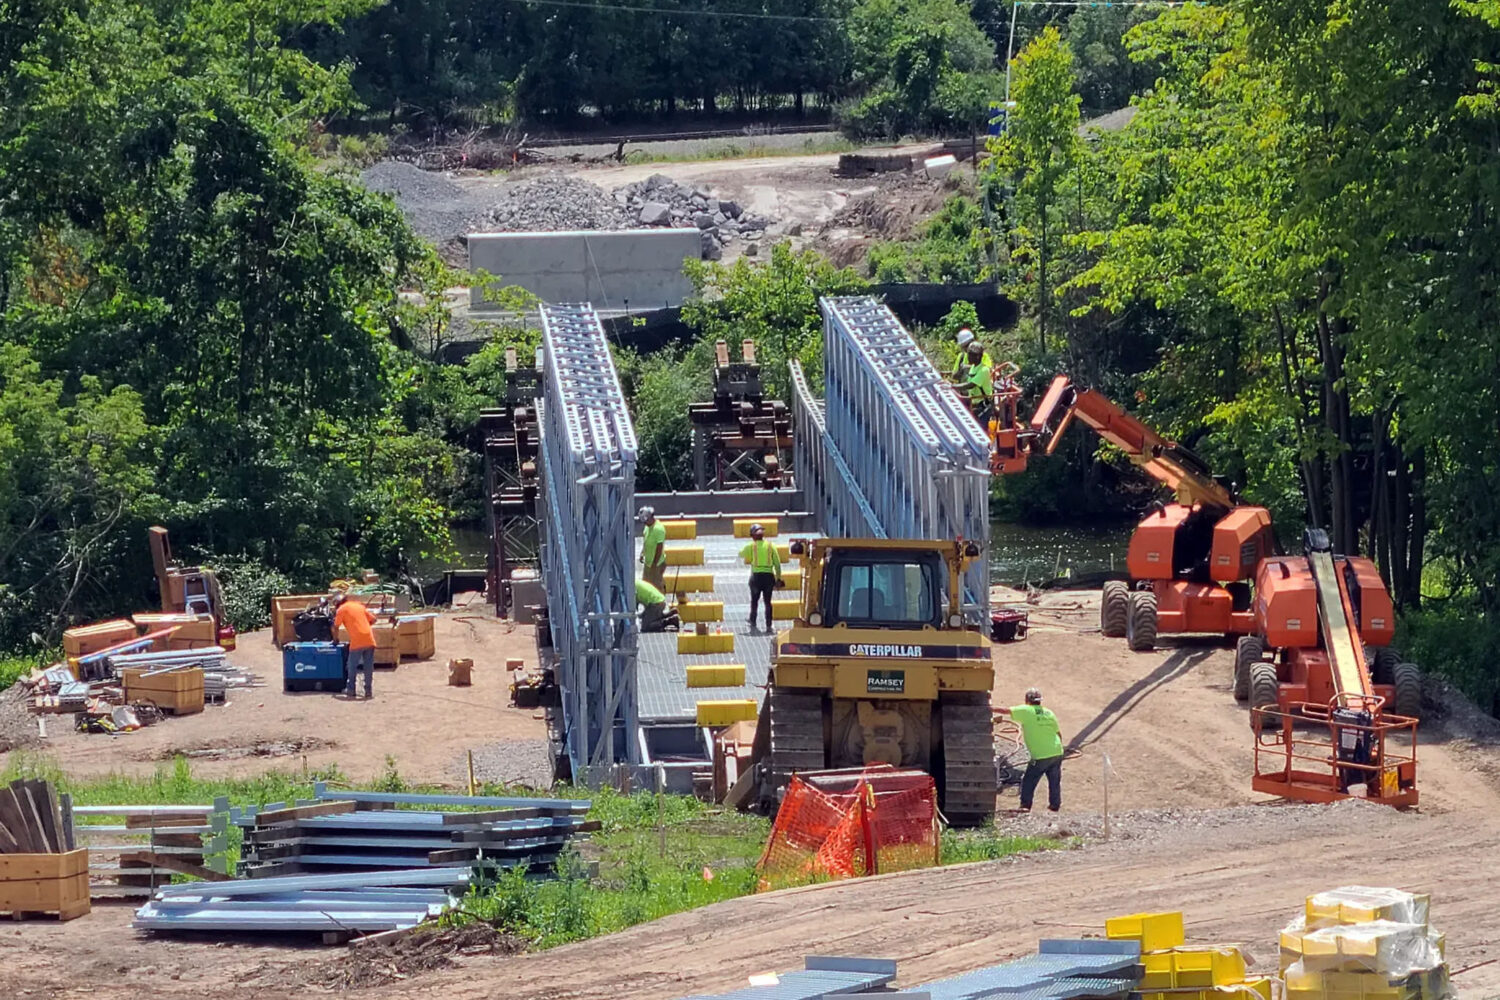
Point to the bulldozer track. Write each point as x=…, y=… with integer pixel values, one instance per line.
x=968, y=759
x=796, y=735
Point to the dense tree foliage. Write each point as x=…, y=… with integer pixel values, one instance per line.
x=1297, y=235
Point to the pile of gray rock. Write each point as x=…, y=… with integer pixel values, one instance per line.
x=660, y=201
x=554, y=202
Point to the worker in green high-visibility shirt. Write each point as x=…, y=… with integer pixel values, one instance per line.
x=653, y=548
x=656, y=614
x=979, y=382
x=765, y=571
x=1043, y=739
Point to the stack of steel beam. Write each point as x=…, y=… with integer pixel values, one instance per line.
x=588, y=457
x=135, y=849
x=219, y=675
x=365, y=831
x=337, y=905
x=920, y=457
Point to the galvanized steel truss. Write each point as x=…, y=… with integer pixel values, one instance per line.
x=907, y=439
x=588, y=456
x=821, y=472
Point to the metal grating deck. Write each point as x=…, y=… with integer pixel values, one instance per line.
x=1063, y=969
x=661, y=674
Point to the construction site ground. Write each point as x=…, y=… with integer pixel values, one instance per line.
x=1185, y=833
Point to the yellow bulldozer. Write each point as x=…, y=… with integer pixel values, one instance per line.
x=880, y=666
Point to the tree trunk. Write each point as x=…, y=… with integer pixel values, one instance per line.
x=1041, y=299
x=1416, y=551
x=1344, y=534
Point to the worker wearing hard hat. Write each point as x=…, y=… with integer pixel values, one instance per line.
x=765, y=571
x=653, y=548
x=1043, y=741
x=656, y=614
x=979, y=381
x=961, y=365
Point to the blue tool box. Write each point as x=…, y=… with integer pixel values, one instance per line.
x=309, y=665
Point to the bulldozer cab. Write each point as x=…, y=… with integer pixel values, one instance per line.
x=882, y=584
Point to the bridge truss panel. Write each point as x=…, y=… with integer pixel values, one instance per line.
x=588, y=459
x=821, y=473
x=919, y=455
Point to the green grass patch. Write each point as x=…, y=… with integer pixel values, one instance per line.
x=988, y=844
x=747, y=150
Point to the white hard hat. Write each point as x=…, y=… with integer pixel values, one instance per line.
x=645, y=513
x=965, y=337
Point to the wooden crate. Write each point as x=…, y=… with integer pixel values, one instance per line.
x=286, y=608
x=387, y=653
x=460, y=673
x=45, y=883
x=176, y=691
x=194, y=634
x=417, y=638
x=88, y=639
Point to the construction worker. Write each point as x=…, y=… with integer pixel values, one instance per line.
x=656, y=615
x=1044, y=742
x=979, y=382
x=356, y=619
x=765, y=571
x=961, y=364
x=653, y=548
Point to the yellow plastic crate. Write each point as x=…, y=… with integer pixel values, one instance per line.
x=742, y=526
x=783, y=549
x=712, y=642
x=709, y=675
x=792, y=578
x=680, y=531
x=1261, y=985
x=726, y=712
x=1158, y=975
x=1155, y=931
x=1206, y=967
x=785, y=611
x=701, y=611
x=688, y=582
x=685, y=555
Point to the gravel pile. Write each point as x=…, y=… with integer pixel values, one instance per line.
x=553, y=203
x=524, y=762
x=437, y=208
x=17, y=724
x=660, y=201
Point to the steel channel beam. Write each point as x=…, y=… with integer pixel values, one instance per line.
x=821, y=473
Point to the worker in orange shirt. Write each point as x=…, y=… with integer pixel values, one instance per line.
x=356, y=619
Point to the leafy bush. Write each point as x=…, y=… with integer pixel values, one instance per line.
x=1454, y=638
x=248, y=587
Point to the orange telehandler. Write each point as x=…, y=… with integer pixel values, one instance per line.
x=1189, y=561
x=1318, y=614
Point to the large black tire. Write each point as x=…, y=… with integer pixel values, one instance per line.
x=1248, y=651
x=1265, y=692
x=1114, y=609
x=1407, y=677
x=1382, y=663
x=968, y=778
x=1140, y=624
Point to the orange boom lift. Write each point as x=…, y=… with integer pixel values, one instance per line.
x=1318, y=614
x=1190, y=561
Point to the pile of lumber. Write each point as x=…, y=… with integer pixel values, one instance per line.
x=32, y=820
x=364, y=831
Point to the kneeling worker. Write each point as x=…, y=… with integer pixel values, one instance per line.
x=656, y=616
x=1044, y=743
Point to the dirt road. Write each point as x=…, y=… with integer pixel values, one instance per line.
x=415, y=719
x=1179, y=747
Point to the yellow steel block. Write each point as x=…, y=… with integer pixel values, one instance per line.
x=685, y=555
x=1155, y=931
x=1203, y=967
x=792, y=578
x=1303, y=993
x=726, y=712
x=1261, y=985
x=709, y=675
x=1158, y=975
x=701, y=611
x=785, y=611
x=711, y=642
x=783, y=549
x=688, y=582
x=680, y=531
x=742, y=526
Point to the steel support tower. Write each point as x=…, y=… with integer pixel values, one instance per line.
x=910, y=444
x=510, y=476
x=588, y=458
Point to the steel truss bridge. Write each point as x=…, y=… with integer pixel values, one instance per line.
x=889, y=452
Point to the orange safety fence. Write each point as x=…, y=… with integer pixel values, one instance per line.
x=844, y=824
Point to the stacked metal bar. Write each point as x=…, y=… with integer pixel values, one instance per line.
x=1061, y=970
x=588, y=456
x=364, y=831
x=821, y=472
x=219, y=676
x=336, y=906
x=821, y=976
x=919, y=454
x=134, y=849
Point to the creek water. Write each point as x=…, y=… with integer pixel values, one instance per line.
x=1018, y=553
